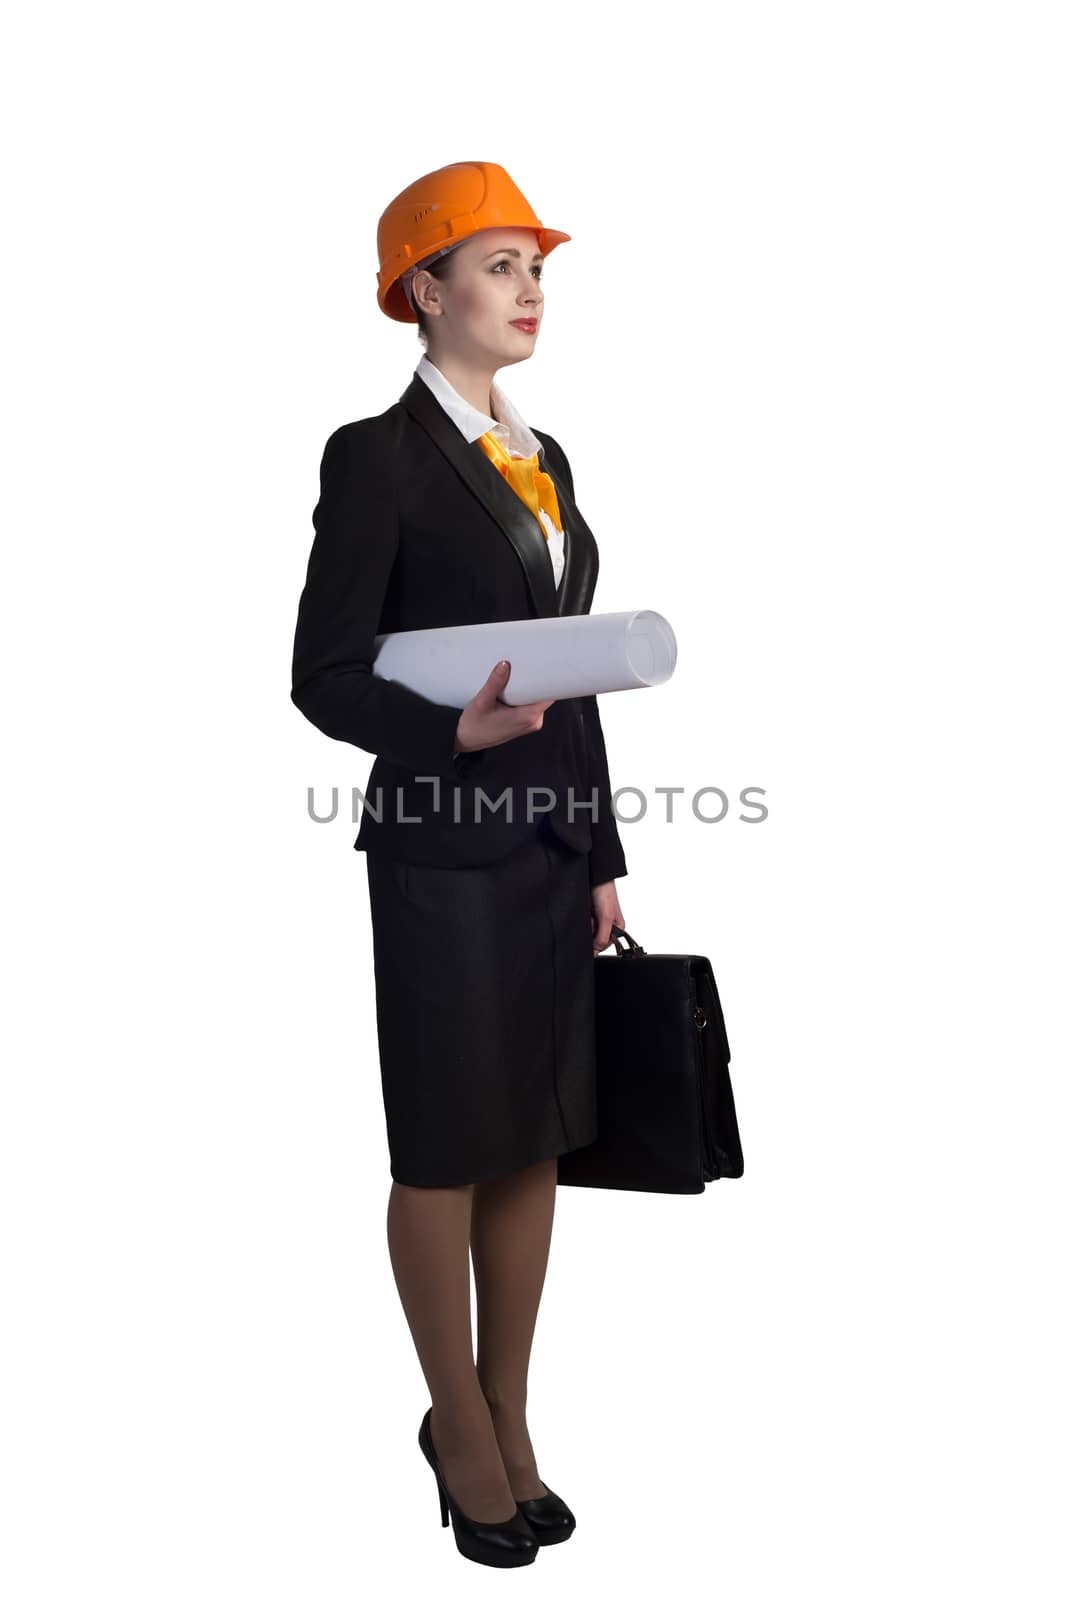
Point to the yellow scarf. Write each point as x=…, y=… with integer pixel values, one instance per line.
x=534, y=487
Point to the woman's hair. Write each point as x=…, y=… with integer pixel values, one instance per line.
x=440, y=269
x=439, y=266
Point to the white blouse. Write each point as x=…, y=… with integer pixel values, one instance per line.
x=509, y=428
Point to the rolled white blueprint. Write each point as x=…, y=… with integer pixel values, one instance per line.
x=553, y=658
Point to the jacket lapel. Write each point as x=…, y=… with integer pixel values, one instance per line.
x=515, y=520
x=581, y=561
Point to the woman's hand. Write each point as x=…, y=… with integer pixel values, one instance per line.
x=604, y=910
x=486, y=721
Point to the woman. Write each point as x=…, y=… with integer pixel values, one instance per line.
x=490, y=843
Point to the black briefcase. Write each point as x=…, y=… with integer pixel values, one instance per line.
x=665, y=1107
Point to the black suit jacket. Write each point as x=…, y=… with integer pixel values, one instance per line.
x=416, y=528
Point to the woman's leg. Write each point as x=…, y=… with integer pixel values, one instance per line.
x=511, y=1226
x=429, y=1242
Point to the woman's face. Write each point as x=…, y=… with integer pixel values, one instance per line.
x=495, y=284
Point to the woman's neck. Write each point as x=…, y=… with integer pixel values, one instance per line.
x=472, y=382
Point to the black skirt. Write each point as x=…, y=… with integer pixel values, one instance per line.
x=485, y=1004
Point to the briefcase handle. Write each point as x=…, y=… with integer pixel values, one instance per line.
x=617, y=933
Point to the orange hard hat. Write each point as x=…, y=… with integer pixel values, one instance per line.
x=439, y=211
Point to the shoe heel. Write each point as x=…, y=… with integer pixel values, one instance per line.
x=495, y=1544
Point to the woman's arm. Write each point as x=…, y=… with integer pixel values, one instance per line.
x=352, y=556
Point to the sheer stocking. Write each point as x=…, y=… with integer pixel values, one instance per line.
x=478, y=1417
x=428, y=1232
x=511, y=1229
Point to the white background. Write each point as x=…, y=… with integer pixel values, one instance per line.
x=806, y=352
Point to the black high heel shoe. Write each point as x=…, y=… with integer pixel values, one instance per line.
x=551, y=1518
x=495, y=1544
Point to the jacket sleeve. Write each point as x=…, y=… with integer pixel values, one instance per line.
x=606, y=860
x=352, y=556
